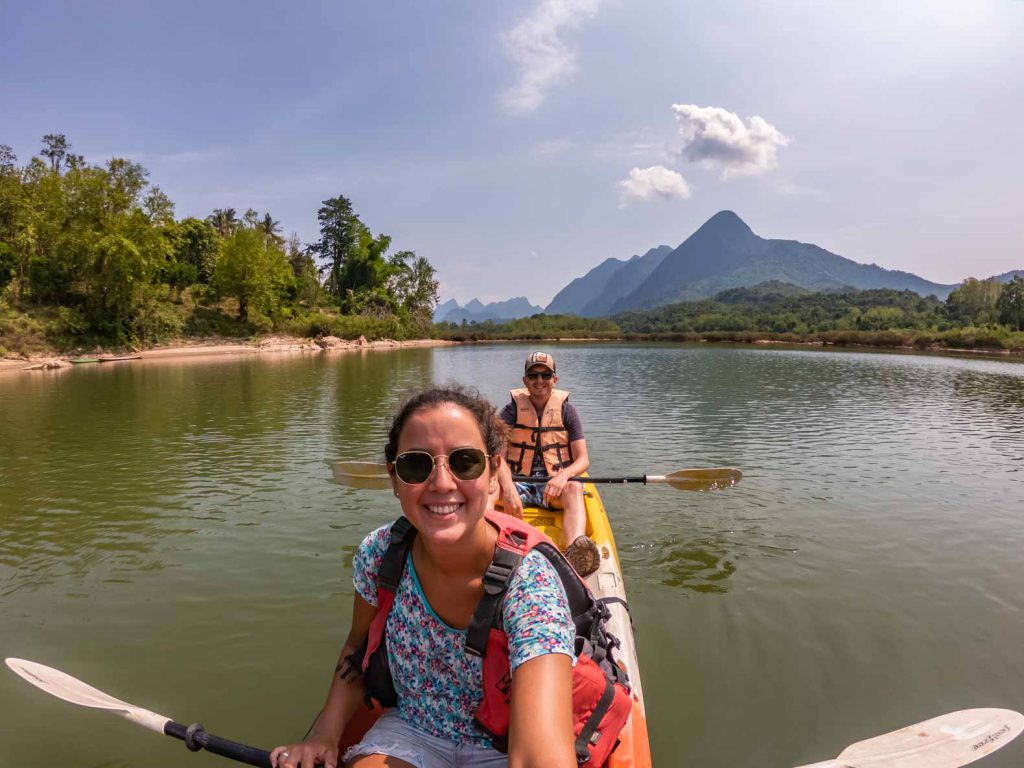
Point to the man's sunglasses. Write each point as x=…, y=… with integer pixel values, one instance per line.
x=414, y=467
x=534, y=375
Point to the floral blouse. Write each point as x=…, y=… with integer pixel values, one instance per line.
x=439, y=685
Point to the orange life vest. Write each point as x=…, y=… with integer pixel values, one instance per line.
x=548, y=434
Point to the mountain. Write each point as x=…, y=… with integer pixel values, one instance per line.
x=475, y=310
x=444, y=309
x=593, y=294
x=1008, y=276
x=725, y=253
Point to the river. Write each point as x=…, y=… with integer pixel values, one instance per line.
x=168, y=533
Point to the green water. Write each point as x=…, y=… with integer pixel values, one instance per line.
x=168, y=533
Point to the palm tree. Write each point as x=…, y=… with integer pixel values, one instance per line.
x=224, y=220
x=270, y=229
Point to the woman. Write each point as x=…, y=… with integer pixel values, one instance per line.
x=443, y=452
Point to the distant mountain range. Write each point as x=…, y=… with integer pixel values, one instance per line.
x=594, y=294
x=451, y=312
x=723, y=254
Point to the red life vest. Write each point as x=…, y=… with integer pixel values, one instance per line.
x=601, y=701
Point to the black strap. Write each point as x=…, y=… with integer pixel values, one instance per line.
x=392, y=566
x=589, y=730
x=486, y=614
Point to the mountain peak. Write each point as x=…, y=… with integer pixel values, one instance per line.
x=726, y=222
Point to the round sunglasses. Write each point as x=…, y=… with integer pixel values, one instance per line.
x=414, y=467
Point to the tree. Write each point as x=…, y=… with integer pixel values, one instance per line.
x=196, y=245
x=974, y=302
x=253, y=271
x=224, y=221
x=8, y=160
x=55, y=148
x=270, y=229
x=339, y=230
x=413, y=282
x=158, y=207
x=8, y=265
x=1011, y=304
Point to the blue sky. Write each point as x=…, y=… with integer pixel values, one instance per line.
x=518, y=144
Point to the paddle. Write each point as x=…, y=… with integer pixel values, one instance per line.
x=63, y=686
x=947, y=741
x=370, y=476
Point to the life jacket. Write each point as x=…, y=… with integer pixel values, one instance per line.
x=548, y=435
x=601, y=701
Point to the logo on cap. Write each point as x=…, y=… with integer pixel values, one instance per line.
x=540, y=358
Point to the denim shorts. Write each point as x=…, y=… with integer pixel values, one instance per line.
x=394, y=737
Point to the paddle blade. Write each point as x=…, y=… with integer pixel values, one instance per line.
x=710, y=479
x=63, y=686
x=361, y=474
x=73, y=690
x=947, y=741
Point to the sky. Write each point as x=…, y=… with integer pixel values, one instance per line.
x=518, y=144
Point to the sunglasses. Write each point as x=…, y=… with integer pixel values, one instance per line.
x=534, y=375
x=414, y=467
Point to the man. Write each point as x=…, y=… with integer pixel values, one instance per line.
x=547, y=441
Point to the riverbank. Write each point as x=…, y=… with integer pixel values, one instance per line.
x=218, y=348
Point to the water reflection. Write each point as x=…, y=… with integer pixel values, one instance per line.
x=183, y=513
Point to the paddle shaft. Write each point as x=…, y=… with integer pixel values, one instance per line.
x=196, y=738
x=614, y=480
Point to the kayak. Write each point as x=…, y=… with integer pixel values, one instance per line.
x=83, y=360
x=634, y=750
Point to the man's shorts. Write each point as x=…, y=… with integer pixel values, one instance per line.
x=532, y=494
x=394, y=737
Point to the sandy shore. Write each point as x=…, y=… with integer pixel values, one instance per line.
x=224, y=348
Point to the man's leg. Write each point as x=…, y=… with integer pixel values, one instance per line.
x=574, y=516
x=579, y=549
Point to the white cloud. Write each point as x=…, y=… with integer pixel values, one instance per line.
x=541, y=56
x=654, y=183
x=721, y=139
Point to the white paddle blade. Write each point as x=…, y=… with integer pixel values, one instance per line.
x=947, y=741
x=709, y=479
x=361, y=474
x=73, y=690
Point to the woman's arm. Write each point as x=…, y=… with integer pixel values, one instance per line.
x=540, y=722
x=345, y=694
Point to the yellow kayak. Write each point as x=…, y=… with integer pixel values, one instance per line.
x=634, y=750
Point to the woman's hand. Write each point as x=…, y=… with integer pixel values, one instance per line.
x=313, y=751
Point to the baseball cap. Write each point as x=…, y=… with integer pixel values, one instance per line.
x=540, y=358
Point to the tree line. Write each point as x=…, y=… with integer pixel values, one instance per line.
x=979, y=313
x=781, y=308
x=99, y=246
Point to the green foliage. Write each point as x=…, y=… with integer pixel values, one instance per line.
x=780, y=311
x=351, y=326
x=8, y=265
x=195, y=245
x=974, y=302
x=254, y=271
x=1010, y=304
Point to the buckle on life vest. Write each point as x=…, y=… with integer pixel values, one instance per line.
x=496, y=577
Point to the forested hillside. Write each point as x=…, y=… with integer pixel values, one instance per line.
x=93, y=254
